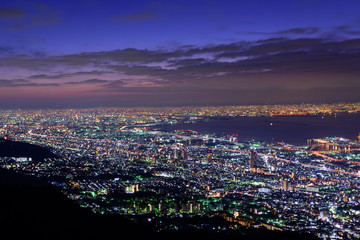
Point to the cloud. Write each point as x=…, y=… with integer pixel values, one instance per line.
x=15, y=27
x=235, y=58
x=309, y=30
x=289, y=32
x=279, y=65
x=115, y=84
x=11, y=13
x=277, y=54
x=44, y=15
x=346, y=30
x=24, y=83
x=11, y=83
x=341, y=32
x=89, y=81
x=18, y=19
x=6, y=50
x=137, y=17
x=66, y=75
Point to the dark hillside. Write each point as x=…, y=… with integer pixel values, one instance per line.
x=22, y=149
x=40, y=211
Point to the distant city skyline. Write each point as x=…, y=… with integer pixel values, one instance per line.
x=157, y=53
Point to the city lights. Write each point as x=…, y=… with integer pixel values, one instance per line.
x=114, y=161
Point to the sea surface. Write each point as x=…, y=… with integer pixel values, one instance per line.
x=289, y=129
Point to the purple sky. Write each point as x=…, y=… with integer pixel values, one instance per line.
x=155, y=53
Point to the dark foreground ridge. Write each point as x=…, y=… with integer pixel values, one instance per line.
x=22, y=149
x=32, y=208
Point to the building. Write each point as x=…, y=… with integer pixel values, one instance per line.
x=209, y=157
x=264, y=190
x=253, y=161
x=330, y=144
x=175, y=154
x=312, y=189
x=184, y=154
x=285, y=184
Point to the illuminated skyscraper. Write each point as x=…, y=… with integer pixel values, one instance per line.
x=253, y=161
x=184, y=155
x=209, y=157
x=285, y=185
x=175, y=154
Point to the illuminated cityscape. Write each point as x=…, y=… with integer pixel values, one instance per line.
x=116, y=161
x=185, y=119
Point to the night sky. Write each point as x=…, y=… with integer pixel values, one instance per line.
x=163, y=53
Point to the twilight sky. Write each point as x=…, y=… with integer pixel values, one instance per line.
x=156, y=53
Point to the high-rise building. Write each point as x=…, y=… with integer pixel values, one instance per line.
x=209, y=157
x=184, y=155
x=153, y=159
x=253, y=161
x=285, y=185
x=175, y=154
